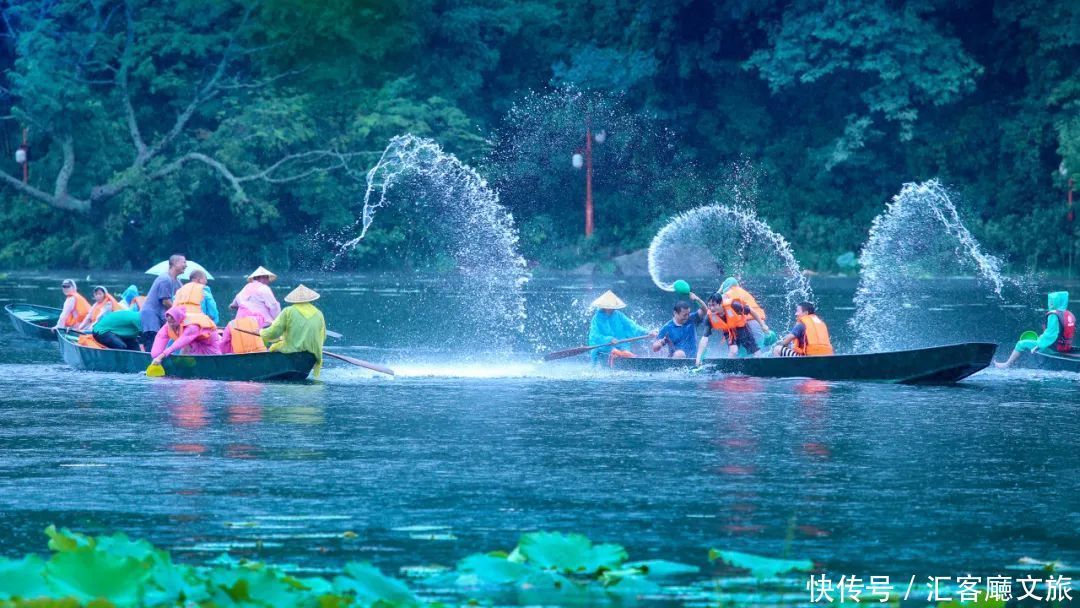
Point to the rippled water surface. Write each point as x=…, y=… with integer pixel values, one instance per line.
x=463, y=452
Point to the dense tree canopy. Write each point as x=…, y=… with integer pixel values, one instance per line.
x=240, y=131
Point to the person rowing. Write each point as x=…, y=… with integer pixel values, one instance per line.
x=809, y=336
x=609, y=325
x=679, y=334
x=729, y=318
x=1059, y=326
x=300, y=327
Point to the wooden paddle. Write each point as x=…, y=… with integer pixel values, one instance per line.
x=570, y=352
x=357, y=362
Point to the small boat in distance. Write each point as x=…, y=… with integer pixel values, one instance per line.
x=933, y=365
x=33, y=321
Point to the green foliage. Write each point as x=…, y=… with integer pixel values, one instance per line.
x=835, y=103
x=759, y=566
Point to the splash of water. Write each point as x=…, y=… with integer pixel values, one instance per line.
x=460, y=219
x=919, y=236
x=716, y=241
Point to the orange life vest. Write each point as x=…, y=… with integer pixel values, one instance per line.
x=98, y=308
x=78, y=312
x=740, y=294
x=190, y=296
x=815, y=339
x=734, y=319
x=1066, y=330
x=245, y=342
x=90, y=342
x=720, y=323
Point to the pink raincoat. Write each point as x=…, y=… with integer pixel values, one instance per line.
x=193, y=340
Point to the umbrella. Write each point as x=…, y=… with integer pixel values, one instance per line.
x=163, y=267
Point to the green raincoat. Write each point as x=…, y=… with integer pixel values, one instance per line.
x=304, y=330
x=1057, y=300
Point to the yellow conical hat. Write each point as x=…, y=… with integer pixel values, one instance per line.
x=301, y=294
x=262, y=272
x=609, y=300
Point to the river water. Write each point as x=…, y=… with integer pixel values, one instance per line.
x=466, y=450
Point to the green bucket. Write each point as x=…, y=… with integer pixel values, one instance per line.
x=682, y=287
x=1029, y=335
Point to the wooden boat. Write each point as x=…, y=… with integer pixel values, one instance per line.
x=33, y=321
x=935, y=365
x=251, y=367
x=1055, y=361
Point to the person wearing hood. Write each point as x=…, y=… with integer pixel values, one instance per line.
x=299, y=328
x=132, y=299
x=197, y=336
x=1058, y=329
x=609, y=325
x=731, y=290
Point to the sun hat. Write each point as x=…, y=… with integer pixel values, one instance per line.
x=609, y=301
x=301, y=294
x=261, y=272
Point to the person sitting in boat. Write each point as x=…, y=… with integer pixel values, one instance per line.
x=104, y=303
x=132, y=299
x=196, y=335
x=256, y=300
x=731, y=289
x=609, y=325
x=300, y=327
x=119, y=330
x=196, y=297
x=729, y=318
x=75, y=306
x=809, y=336
x=1059, y=325
x=679, y=334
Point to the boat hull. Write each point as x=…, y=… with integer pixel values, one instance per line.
x=935, y=365
x=1059, y=362
x=248, y=367
x=33, y=321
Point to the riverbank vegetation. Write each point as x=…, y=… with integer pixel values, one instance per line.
x=241, y=132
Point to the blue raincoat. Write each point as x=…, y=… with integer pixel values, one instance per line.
x=604, y=328
x=1057, y=300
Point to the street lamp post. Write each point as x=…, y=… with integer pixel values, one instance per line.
x=585, y=160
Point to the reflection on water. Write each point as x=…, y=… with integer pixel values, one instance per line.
x=861, y=477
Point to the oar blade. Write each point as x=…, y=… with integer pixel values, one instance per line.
x=570, y=352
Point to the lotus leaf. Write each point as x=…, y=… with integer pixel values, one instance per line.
x=86, y=573
x=659, y=568
x=370, y=586
x=23, y=578
x=572, y=553
x=760, y=566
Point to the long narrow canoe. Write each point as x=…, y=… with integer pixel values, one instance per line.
x=33, y=321
x=1061, y=362
x=935, y=365
x=252, y=367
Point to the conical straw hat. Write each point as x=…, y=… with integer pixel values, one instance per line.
x=261, y=272
x=609, y=300
x=301, y=294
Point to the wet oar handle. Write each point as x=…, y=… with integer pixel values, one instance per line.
x=570, y=352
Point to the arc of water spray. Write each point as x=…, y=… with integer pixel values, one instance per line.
x=753, y=234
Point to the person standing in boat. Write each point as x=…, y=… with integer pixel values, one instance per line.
x=679, y=334
x=1059, y=327
x=104, y=303
x=196, y=297
x=119, y=330
x=609, y=325
x=75, y=306
x=159, y=299
x=730, y=319
x=189, y=336
x=809, y=336
x=731, y=289
x=299, y=328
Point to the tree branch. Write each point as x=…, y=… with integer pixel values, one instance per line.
x=125, y=95
x=62, y=202
x=67, y=146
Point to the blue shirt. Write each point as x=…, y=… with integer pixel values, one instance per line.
x=152, y=314
x=681, y=337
